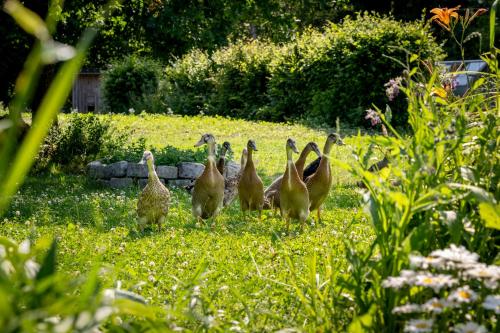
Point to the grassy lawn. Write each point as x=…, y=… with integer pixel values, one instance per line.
x=246, y=261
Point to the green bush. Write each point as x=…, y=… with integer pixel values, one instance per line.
x=82, y=139
x=321, y=75
x=130, y=83
x=241, y=77
x=189, y=83
x=340, y=72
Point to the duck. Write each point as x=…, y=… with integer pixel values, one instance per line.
x=313, y=166
x=221, y=162
x=250, y=186
x=319, y=183
x=231, y=183
x=272, y=193
x=294, y=196
x=208, y=190
x=153, y=203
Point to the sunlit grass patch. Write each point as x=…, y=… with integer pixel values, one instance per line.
x=96, y=224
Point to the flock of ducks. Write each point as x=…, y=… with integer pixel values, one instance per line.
x=299, y=191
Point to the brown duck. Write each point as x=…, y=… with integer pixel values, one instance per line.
x=208, y=191
x=319, y=183
x=250, y=187
x=294, y=197
x=152, y=206
x=272, y=193
x=221, y=162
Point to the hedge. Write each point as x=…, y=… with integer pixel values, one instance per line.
x=321, y=75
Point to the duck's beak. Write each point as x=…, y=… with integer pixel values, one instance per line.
x=200, y=143
x=294, y=147
x=142, y=161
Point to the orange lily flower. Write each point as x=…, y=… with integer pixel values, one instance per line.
x=443, y=16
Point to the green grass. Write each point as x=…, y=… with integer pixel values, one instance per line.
x=97, y=225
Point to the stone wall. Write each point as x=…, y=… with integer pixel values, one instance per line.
x=125, y=174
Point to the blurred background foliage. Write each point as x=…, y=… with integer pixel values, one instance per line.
x=167, y=30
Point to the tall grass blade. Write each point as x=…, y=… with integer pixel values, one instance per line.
x=49, y=107
x=493, y=14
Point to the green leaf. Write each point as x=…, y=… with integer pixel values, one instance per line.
x=363, y=323
x=388, y=113
x=493, y=14
x=479, y=193
x=127, y=306
x=479, y=82
x=417, y=239
x=399, y=198
x=48, y=267
x=412, y=72
x=490, y=215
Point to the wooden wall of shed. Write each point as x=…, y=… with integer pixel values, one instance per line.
x=86, y=93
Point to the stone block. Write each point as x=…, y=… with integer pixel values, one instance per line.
x=103, y=182
x=189, y=170
x=167, y=172
x=179, y=183
x=116, y=170
x=232, y=169
x=96, y=170
x=137, y=170
x=121, y=182
x=143, y=181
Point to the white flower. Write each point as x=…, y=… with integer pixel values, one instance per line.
x=426, y=262
x=396, y=282
x=482, y=271
x=435, y=305
x=469, y=327
x=24, y=247
x=492, y=302
x=31, y=268
x=456, y=254
x=103, y=313
x=419, y=325
x=108, y=296
x=448, y=216
x=436, y=282
x=407, y=308
x=463, y=295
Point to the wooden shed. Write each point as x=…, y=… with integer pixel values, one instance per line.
x=86, y=93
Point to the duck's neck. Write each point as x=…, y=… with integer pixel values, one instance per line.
x=291, y=170
x=222, y=161
x=211, y=155
x=301, y=161
x=327, y=148
x=249, y=160
x=152, y=176
x=243, y=161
